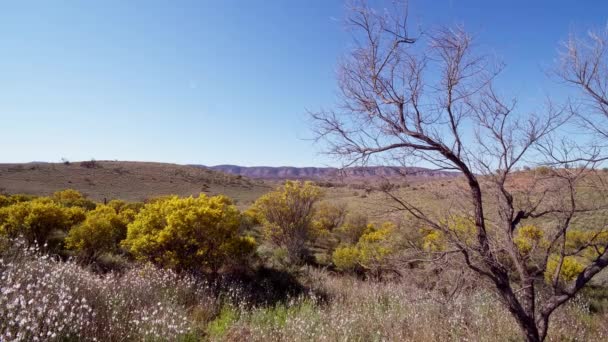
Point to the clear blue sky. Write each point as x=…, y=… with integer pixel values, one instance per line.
x=216, y=82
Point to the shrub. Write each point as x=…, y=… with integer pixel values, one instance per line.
x=18, y=198
x=527, y=238
x=100, y=232
x=37, y=219
x=329, y=216
x=369, y=253
x=543, y=171
x=4, y=201
x=346, y=258
x=571, y=267
x=195, y=234
x=72, y=198
x=461, y=230
x=287, y=214
x=89, y=164
x=352, y=229
x=121, y=206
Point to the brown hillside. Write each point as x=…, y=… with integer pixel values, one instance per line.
x=131, y=181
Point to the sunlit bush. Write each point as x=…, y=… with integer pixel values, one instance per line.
x=527, y=238
x=369, y=253
x=196, y=234
x=287, y=215
x=460, y=228
x=354, y=226
x=328, y=217
x=4, y=201
x=72, y=198
x=120, y=206
x=18, y=198
x=35, y=220
x=100, y=232
x=346, y=258
x=570, y=268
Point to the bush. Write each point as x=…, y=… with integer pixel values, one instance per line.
x=36, y=220
x=89, y=164
x=18, y=198
x=287, y=215
x=352, y=229
x=72, y=198
x=369, y=253
x=121, y=206
x=101, y=232
x=329, y=216
x=4, y=201
x=195, y=234
x=345, y=258
x=570, y=268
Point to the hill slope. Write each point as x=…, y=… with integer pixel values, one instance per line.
x=131, y=181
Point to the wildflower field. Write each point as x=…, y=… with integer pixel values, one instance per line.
x=44, y=299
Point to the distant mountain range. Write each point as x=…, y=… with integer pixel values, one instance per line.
x=329, y=173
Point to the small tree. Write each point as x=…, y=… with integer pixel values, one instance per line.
x=287, y=215
x=403, y=102
x=192, y=234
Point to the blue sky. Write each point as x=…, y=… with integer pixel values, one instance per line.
x=221, y=82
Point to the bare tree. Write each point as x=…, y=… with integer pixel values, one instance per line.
x=432, y=99
x=584, y=65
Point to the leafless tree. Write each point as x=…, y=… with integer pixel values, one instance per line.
x=432, y=98
x=584, y=65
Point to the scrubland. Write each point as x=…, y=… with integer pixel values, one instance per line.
x=302, y=263
x=47, y=299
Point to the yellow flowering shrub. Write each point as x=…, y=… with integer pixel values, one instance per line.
x=369, y=252
x=287, y=216
x=591, y=243
x=433, y=240
x=35, y=220
x=461, y=228
x=4, y=201
x=346, y=258
x=72, y=198
x=194, y=233
x=101, y=231
x=354, y=227
x=570, y=269
x=527, y=237
x=328, y=217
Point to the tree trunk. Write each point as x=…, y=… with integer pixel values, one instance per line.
x=529, y=329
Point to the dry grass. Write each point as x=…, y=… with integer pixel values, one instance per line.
x=44, y=299
x=395, y=311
